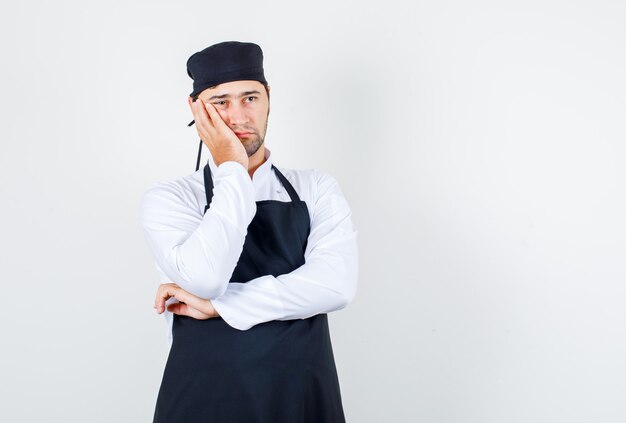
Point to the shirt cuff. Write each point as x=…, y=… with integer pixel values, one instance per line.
x=237, y=203
x=235, y=166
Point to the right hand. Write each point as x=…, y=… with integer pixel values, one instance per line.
x=221, y=141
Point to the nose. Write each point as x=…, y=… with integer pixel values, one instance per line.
x=237, y=115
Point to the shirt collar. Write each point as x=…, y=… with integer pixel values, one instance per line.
x=261, y=172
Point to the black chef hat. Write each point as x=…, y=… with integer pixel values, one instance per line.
x=225, y=62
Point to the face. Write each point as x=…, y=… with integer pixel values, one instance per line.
x=244, y=107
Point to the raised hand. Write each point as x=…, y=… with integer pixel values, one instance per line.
x=221, y=141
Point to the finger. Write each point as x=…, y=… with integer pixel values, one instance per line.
x=182, y=309
x=158, y=302
x=190, y=103
x=169, y=290
x=202, y=113
x=197, y=113
x=190, y=299
x=219, y=125
x=164, y=293
x=185, y=310
x=204, y=123
x=216, y=118
x=193, y=108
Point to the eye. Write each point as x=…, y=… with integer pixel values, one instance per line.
x=250, y=99
x=219, y=102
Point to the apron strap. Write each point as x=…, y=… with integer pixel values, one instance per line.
x=290, y=190
x=208, y=186
x=199, y=155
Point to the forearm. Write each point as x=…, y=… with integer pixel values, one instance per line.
x=326, y=282
x=199, y=252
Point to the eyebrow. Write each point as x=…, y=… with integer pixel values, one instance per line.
x=243, y=94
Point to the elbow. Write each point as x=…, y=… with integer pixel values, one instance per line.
x=350, y=277
x=348, y=293
x=208, y=285
x=208, y=289
x=352, y=281
x=205, y=286
x=218, y=288
x=204, y=281
x=346, y=283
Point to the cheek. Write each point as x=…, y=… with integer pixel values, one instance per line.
x=261, y=115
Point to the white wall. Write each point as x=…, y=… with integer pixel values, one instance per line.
x=480, y=145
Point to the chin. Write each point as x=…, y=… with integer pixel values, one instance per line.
x=252, y=146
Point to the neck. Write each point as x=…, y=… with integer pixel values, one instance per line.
x=256, y=160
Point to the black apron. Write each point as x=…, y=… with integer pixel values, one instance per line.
x=274, y=372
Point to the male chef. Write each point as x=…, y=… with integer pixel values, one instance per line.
x=252, y=256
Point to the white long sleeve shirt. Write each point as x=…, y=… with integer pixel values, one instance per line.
x=199, y=252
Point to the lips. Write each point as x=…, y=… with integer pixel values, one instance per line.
x=243, y=134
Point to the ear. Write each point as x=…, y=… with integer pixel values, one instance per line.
x=190, y=102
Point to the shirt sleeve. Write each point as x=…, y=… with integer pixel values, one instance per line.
x=199, y=252
x=326, y=282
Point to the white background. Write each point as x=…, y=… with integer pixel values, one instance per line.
x=481, y=148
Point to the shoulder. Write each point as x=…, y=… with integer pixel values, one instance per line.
x=313, y=184
x=327, y=205
x=311, y=176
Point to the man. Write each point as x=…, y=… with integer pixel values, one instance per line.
x=253, y=258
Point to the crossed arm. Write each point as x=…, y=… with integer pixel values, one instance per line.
x=199, y=253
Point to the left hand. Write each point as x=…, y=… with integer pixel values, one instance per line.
x=189, y=305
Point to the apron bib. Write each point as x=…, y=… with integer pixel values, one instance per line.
x=274, y=372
